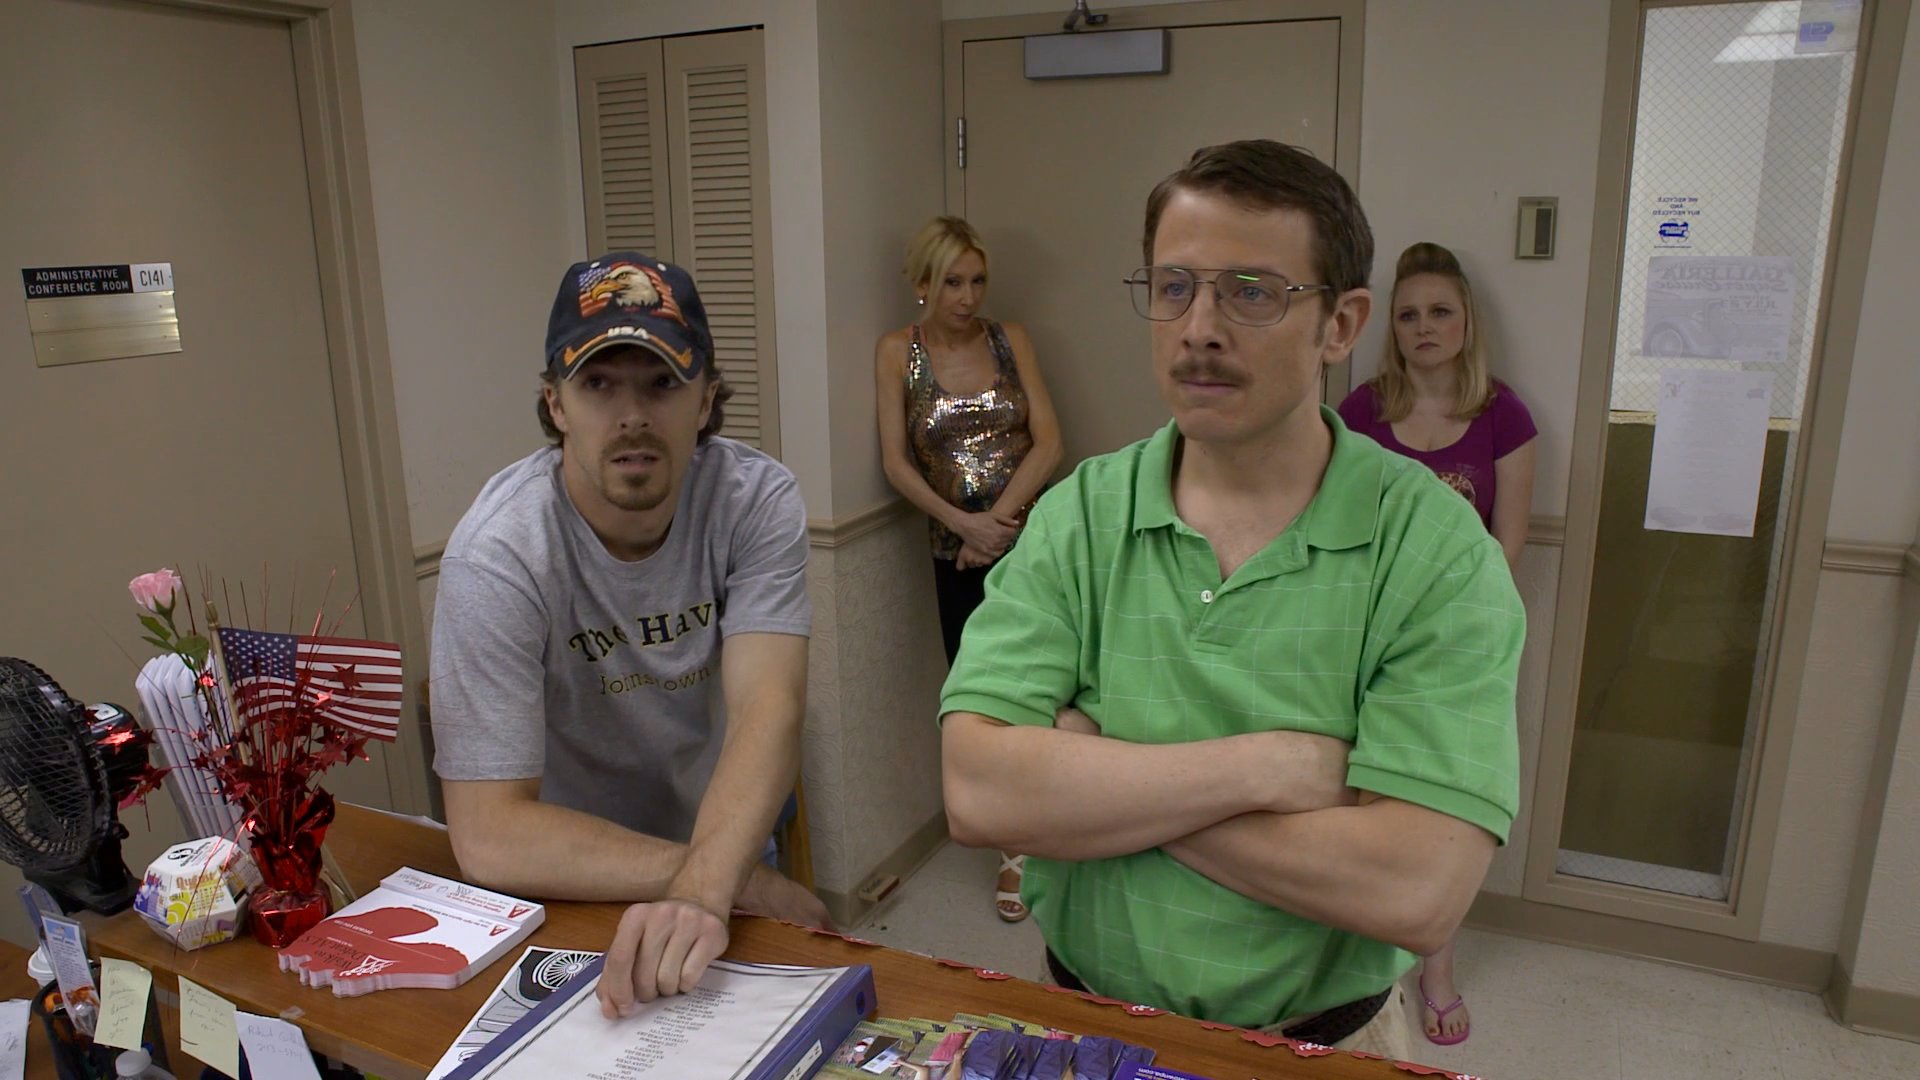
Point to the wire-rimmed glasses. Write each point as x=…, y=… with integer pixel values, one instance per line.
x=1248, y=297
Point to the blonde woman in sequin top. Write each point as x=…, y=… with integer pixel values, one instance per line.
x=967, y=434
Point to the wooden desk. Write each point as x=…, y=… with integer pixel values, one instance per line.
x=402, y=1033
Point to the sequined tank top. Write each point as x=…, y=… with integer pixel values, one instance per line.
x=966, y=446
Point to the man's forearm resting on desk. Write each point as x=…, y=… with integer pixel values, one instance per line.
x=1064, y=794
x=1389, y=870
x=505, y=838
x=765, y=683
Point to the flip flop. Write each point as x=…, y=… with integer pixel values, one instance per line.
x=1440, y=1018
x=1008, y=905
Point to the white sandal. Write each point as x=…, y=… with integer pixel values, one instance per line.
x=1008, y=905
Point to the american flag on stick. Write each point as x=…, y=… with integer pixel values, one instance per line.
x=356, y=684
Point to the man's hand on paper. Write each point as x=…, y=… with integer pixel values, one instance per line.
x=773, y=894
x=661, y=948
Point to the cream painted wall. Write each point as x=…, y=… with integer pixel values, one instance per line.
x=1880, y=943
x=794, y=146
x=1446, y=150
x=1876, y=494
x=881, y=128
x=462, y=147
x=1842, y=701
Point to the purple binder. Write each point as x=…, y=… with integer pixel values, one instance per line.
x=797, y=1054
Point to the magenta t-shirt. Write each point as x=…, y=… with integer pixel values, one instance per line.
x=1502, y=427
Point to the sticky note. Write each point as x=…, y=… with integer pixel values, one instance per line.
x=123, y=1003
x=276, y=1050
x=208, y=1029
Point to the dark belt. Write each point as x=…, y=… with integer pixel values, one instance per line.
x=1326, y=1029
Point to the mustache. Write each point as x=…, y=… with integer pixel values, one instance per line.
x=649, y=443
x=1206, y=370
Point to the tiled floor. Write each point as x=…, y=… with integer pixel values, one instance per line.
x=1539, y=1011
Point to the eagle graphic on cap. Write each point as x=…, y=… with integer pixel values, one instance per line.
x=629, y=285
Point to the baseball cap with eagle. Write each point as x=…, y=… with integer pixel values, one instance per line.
x=626, y=298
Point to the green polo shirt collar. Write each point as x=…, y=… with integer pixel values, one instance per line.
x=1344, y=513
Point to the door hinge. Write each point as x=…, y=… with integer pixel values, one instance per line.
x=960, y=141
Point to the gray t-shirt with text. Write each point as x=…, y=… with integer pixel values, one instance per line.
x=553, y=659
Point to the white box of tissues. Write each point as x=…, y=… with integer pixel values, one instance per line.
x=194, y=894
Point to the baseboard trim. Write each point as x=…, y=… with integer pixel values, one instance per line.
x=426, y=560
x=1842, y=556
x=831, y=533
x=1876, y=1012
x=849, y=911
x=1850, y=557
x=1760, y=961
x=1547, y=531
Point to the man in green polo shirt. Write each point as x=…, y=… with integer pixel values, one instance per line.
x=1290, y=654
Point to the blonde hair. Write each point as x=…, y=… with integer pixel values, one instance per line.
x=1473, y=386
x=937, y=246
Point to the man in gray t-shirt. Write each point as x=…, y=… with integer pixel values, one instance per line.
x=620, y=641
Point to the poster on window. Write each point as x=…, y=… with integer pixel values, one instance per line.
x=1719, y=307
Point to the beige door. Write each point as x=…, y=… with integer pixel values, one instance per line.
x=673, y=156
x=139, y=133
x=1056, y=180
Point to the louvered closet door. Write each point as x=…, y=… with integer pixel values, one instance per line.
x=623, y=147
x=716, y=116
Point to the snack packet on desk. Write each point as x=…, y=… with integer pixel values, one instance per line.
x=873, y=1048
x=1026, y=1051
x=988, y=1054
x=1133, y=1070
x=948, y=1050
x=992, y=1023
x=1055, y=1060
x=1095, y=1057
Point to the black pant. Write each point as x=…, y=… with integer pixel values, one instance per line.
x=1328, y=1028
x=959, y=592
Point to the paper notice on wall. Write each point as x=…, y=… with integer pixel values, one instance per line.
x=1709, y=440
x=1827, y=26
x=1719, y=308
x=1676, y=221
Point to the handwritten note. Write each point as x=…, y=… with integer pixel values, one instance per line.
x=13, y=1039
x=276, y=1050
x=208, y=1029
x=123, y=1003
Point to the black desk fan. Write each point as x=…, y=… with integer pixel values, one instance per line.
x=63, y=769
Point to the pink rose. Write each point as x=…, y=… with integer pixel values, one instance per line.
x=156, y=590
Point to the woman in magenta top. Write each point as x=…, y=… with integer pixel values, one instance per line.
x=1435, y=402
